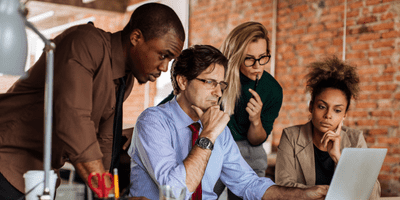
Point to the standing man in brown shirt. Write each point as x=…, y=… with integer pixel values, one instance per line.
x=88, y=63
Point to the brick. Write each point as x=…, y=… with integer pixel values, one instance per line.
x=357, y=114
x=334, y=25
x=359, y=46
x=389, y=70
x=389, y=159
x=390, y=141
x=339, y=41
x=387, y=43
x=292, y=40
x=385, y=103
x=379, y=61
x=388, y=52
x=321, y=44
x=327, y=34
x=366, y=20
x=308, y=37
x=373, y=54
x=372, y=2
x=391, y=87
x=377, y=131
x=355, y=5
x=366, y=105
x=383, y=26
x=369, y=36
x=370, y=139
x=288, y=55
x=384, y=78
x=387, y=16
x=381, y=113
x=356, y=55
x=297, y=31
x=365, y=122
x=353, y=13
x=381, y=9
x=284, y=48
x=380, y=95
x=368, y=70
x=329, y=18
x=304, y=53
x=391, y=34
x=333, y=50
x=337, y=9
x=388, y=122
x=365, y=11
x=300, y=8
x=315, y=28
x=295, y=16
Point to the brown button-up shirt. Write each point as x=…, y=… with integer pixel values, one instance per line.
x=88, y=63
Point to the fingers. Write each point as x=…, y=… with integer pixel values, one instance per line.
x=198, y=111
x=255, y=95
x=339, y=127
x=127, y=143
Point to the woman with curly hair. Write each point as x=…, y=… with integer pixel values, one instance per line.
x=308, y=153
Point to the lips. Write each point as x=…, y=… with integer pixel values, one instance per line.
x=324, y=124
x=153, y=77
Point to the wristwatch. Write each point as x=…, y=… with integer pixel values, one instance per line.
x=205, y=143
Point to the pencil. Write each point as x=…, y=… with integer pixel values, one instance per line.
x=116, y=183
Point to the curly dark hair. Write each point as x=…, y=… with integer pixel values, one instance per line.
x=193, y=61
x=332, y=73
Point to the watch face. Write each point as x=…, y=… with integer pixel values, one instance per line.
x=205, y=143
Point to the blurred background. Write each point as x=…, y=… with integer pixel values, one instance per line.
x=365, y=32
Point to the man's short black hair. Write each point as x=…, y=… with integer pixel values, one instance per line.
x=193, y=61
x=154, y=20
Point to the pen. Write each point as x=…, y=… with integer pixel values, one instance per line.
x=116, y=184
x=255, y=86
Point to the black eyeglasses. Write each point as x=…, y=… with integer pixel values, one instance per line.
x=213, y=83
x=249, y=61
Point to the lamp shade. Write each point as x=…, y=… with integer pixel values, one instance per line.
x=13, y=41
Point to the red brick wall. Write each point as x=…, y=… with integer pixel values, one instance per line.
x=308, y=30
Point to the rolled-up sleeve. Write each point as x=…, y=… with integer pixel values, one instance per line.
x=75, y=65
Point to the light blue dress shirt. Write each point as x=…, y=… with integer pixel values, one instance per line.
x=162, y=140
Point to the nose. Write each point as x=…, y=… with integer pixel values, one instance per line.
x=328, y=114
x=217, y=91
x=164, y=66
x=256, y=65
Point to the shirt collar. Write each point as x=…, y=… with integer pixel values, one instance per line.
x=117, y=57
x=180, y=118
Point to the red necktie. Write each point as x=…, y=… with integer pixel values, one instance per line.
x=195, y=134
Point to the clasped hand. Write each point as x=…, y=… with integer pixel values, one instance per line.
x=331, y=141
x=214, y=121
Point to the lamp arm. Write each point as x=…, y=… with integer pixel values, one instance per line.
x=48, y=109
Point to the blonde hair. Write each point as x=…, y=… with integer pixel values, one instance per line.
x=233, y=48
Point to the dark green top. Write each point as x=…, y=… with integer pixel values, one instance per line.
x=271, y=95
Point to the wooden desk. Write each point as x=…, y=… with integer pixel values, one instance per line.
x=390, y=198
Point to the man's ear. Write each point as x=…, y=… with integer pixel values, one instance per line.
x=182, y=82
x=135, y=36
x=310, y=106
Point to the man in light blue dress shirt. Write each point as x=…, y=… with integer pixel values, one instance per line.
x=161, y=148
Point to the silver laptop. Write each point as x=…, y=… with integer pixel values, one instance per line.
x=356, y=173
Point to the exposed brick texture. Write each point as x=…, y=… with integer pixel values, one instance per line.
x=306, y=32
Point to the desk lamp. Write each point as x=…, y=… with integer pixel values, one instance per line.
x=13, y=52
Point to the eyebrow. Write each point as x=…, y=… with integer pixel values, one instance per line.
x=248, y=55
x=327, y=103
